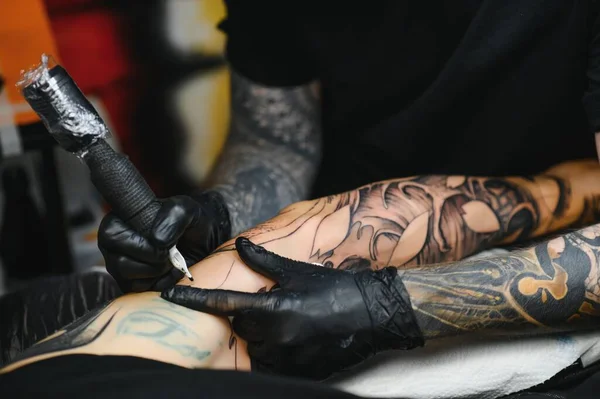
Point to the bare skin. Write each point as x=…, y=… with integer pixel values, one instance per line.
x=404, y=222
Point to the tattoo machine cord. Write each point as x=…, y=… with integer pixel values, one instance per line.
x=78, y=128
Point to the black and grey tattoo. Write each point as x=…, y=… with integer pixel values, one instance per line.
x=77, y=334
x=553, y=285
x=32, y=313
x=433, y=219
x=425, y=219
x=272, y=152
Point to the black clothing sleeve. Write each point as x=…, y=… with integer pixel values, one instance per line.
x=264, y=44
x=591, y=99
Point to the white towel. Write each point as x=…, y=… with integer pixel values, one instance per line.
x=461, y=367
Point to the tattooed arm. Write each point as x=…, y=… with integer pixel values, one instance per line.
x=555, y=284
x=432, y=219
x=272, y=152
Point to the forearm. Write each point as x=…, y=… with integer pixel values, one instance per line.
x=271, y=155
x=430, y=219
x=554, y=285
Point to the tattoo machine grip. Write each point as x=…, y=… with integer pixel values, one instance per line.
x=122, y=186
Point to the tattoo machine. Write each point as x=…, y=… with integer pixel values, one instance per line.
x=77, y=127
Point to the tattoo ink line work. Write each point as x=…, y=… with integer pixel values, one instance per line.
x=226, y=276
x=424, y=220
x=233, y=343
x=552, y=285
x=272, y=152
x=75, y=335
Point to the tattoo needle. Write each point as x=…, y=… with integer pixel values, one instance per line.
x=179, y=262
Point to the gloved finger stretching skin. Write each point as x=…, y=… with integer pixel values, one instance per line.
x=267, y=263
x=218, y=302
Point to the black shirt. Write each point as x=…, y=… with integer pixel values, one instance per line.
x=482, y=87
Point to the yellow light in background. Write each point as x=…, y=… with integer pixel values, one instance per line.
x=212, y=12
x=203, y=101
x=203, y=105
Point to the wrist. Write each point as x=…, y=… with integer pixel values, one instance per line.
x=212, y=204
x=393, y=321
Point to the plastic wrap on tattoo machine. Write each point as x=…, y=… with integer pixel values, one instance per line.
x=67, y=114
x=77, y=127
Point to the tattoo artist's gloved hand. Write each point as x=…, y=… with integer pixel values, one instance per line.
x=196, y=224
x=316, y=321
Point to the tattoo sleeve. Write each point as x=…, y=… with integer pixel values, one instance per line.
x=272, y=152
x=428, y=219
x=432, y=219
x=552, y=285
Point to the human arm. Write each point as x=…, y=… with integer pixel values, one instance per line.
x=271, y=155
x=432, y=219
x=268, y=162
x=554, y=285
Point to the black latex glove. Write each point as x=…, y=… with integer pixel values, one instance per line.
x=138, y=263
x=316, y=321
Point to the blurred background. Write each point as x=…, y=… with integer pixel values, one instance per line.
x=155, y=71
